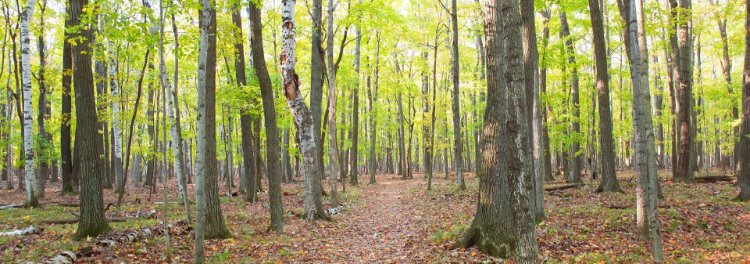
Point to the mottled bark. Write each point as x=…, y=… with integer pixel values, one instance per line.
x=32, y=188
x=302, y=117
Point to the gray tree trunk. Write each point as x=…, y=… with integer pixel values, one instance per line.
x=576, y=160
x=531, y=77
x=743, y=147
x=456, y=108
x=333, y=150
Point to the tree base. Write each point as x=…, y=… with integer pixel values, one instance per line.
x=487, y=243
x=91, y=231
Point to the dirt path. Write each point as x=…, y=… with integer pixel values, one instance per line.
x=385, y=226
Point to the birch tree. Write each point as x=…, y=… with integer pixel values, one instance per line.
x=32, y=189
x=302, y=117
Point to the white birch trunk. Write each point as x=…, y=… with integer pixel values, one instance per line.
x=32, y=192
x=300, y=112
x=174, y=118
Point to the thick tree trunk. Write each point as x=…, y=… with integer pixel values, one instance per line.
x=492, y=229
x=743, y=147
x=682, y=51
x=609, y=181
x=92, y=221
x=302, y=116
x=32, y=188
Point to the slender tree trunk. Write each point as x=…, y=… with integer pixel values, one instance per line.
x=531, y=77
x=66, y=109
x=575, y=174
x=302, y=116
x=646, y=191
x=44, y=108
x=456, y=107
x=743, y=147
x=372, y=97
x=333, y=150
x=426, y=131
x=92, y=221
x=544, y=109
x=269, y=114
x=609, y=181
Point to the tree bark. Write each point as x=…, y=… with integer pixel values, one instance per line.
x=743, y=147
x=456, y=107
x=531, y=82
x=333, y=150
x=609, y=181
x=682, y=51
x=269, y=114
x=66, y=109
x=92, y=221
x=32, y=188
x=302, y=117
x=372, y=97
x=646, y=190
x=576, y=163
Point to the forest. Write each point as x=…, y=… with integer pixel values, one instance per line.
x=375, y=131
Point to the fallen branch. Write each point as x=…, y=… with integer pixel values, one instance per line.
x=563, y=187
x=143, y=215
x=22, y=232
x=112, y=239
x=710, y=179
x=10, y=206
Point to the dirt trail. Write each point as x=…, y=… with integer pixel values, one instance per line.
x=385, y=226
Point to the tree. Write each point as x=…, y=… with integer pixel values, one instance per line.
x=372, y=97
x=210, y=222
x=317, y=67
x=91, y=221
x=743, y=146
x=269, y=114
x=456, y=107
x=354, y=159
x=681, y=44
x=575, y=173
x=504, y=216
x=531, y=77
x=646, y=190
x=32, y=188
x=67, y=72
x=302, y=116
x=609, y=181
x=246, y=132
x=173, y=110
x=333, y=150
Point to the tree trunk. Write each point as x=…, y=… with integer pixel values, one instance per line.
x=575, y=174
x=32, y=188
x=209, y=215
x=743, y=147
x=66, y=109
x=302, y=116
x=547, y=167
x=682, y=51
x=646, y=190
x=44, y=108
x=609, y=181
x=456, y=109
x=269, y=114
x=92, y=221
x=372, y=97
x=333, y=149
x=426, y=132
x=531, y=77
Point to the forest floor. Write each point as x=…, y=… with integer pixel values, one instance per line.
x=398, y=221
